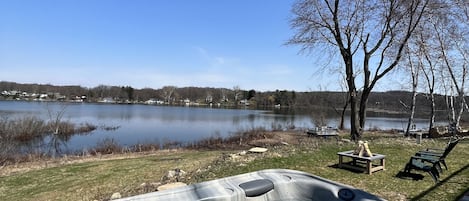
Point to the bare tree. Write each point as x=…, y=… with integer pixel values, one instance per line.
x=55, y=122
x=223, y=95
x=343, y=86
x=55, y=117
x=168, y=93
x=428, y=69
x=414, y=74
x=440, y=46
x=372, y=32
x=208, y=97
x=450, y=32
x=236, y=94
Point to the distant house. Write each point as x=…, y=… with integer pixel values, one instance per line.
x=79, y=98
x=14, y=93
x=244, y=102
x=43, y=96
x=150, y=102
x=107, y=100
x=61, y=97
x=187, y=102
x=153, y=101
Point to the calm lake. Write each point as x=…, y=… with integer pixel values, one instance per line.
x=151, y=123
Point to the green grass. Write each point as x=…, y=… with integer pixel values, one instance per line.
x=323, y=161
x=99, y=179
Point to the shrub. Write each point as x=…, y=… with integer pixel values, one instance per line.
x=85, y=128
x=24, y=129
x=107, y=146
x=170, y=144
x=145, y=147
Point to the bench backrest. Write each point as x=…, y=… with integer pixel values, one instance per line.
x=452, y=143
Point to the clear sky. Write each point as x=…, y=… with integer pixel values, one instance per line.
x=155, y=43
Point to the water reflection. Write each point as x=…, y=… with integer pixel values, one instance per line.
x=35, y=145
x=144, y=123
x=57, y=144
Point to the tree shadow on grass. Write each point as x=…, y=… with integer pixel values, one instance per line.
x=409, y=175
x=336, y=166
x=422, y=194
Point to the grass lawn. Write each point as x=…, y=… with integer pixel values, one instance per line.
x=99, y=179
x=322, y=161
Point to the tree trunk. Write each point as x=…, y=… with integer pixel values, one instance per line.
x=432, y=112
x=410, y=123
x=342, y=115
x=355, y=130
x=461, y=109
x=414, y=71
x=452, y=113
x=462, y=101
x=363, y=103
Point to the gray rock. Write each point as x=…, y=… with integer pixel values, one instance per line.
x=257, y=150
x=170, y=186
x=234, y=156
x=155, y=184
x=115, y=196
x=345, y=140
x=174, y=175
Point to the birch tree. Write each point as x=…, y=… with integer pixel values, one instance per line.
x=414, y=69
x=428, y=69
x=450, y=41
x=440, y=47
x=369, y=37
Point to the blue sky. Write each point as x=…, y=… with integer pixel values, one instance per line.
x=155, y=43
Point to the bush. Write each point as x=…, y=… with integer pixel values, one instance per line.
x=145, y=147
x=22, y=130
x=213, y=142
x=6, y=151
x=28, y=128
x=85, y=128
x=107, y=146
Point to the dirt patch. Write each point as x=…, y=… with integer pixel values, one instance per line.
x=277, y=138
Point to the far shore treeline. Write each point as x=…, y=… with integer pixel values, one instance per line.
x=389, y=102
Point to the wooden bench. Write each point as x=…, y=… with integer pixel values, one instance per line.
x=357, y=160
x=324, y=132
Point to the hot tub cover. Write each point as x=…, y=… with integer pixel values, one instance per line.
x=271, y=184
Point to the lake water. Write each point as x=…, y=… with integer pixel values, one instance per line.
x=150, y=123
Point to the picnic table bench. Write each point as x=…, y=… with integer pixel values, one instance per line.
x=356, y=162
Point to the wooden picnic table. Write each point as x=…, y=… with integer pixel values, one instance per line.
x=356, y=162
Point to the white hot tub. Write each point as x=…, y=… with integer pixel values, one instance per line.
x=272, y=184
